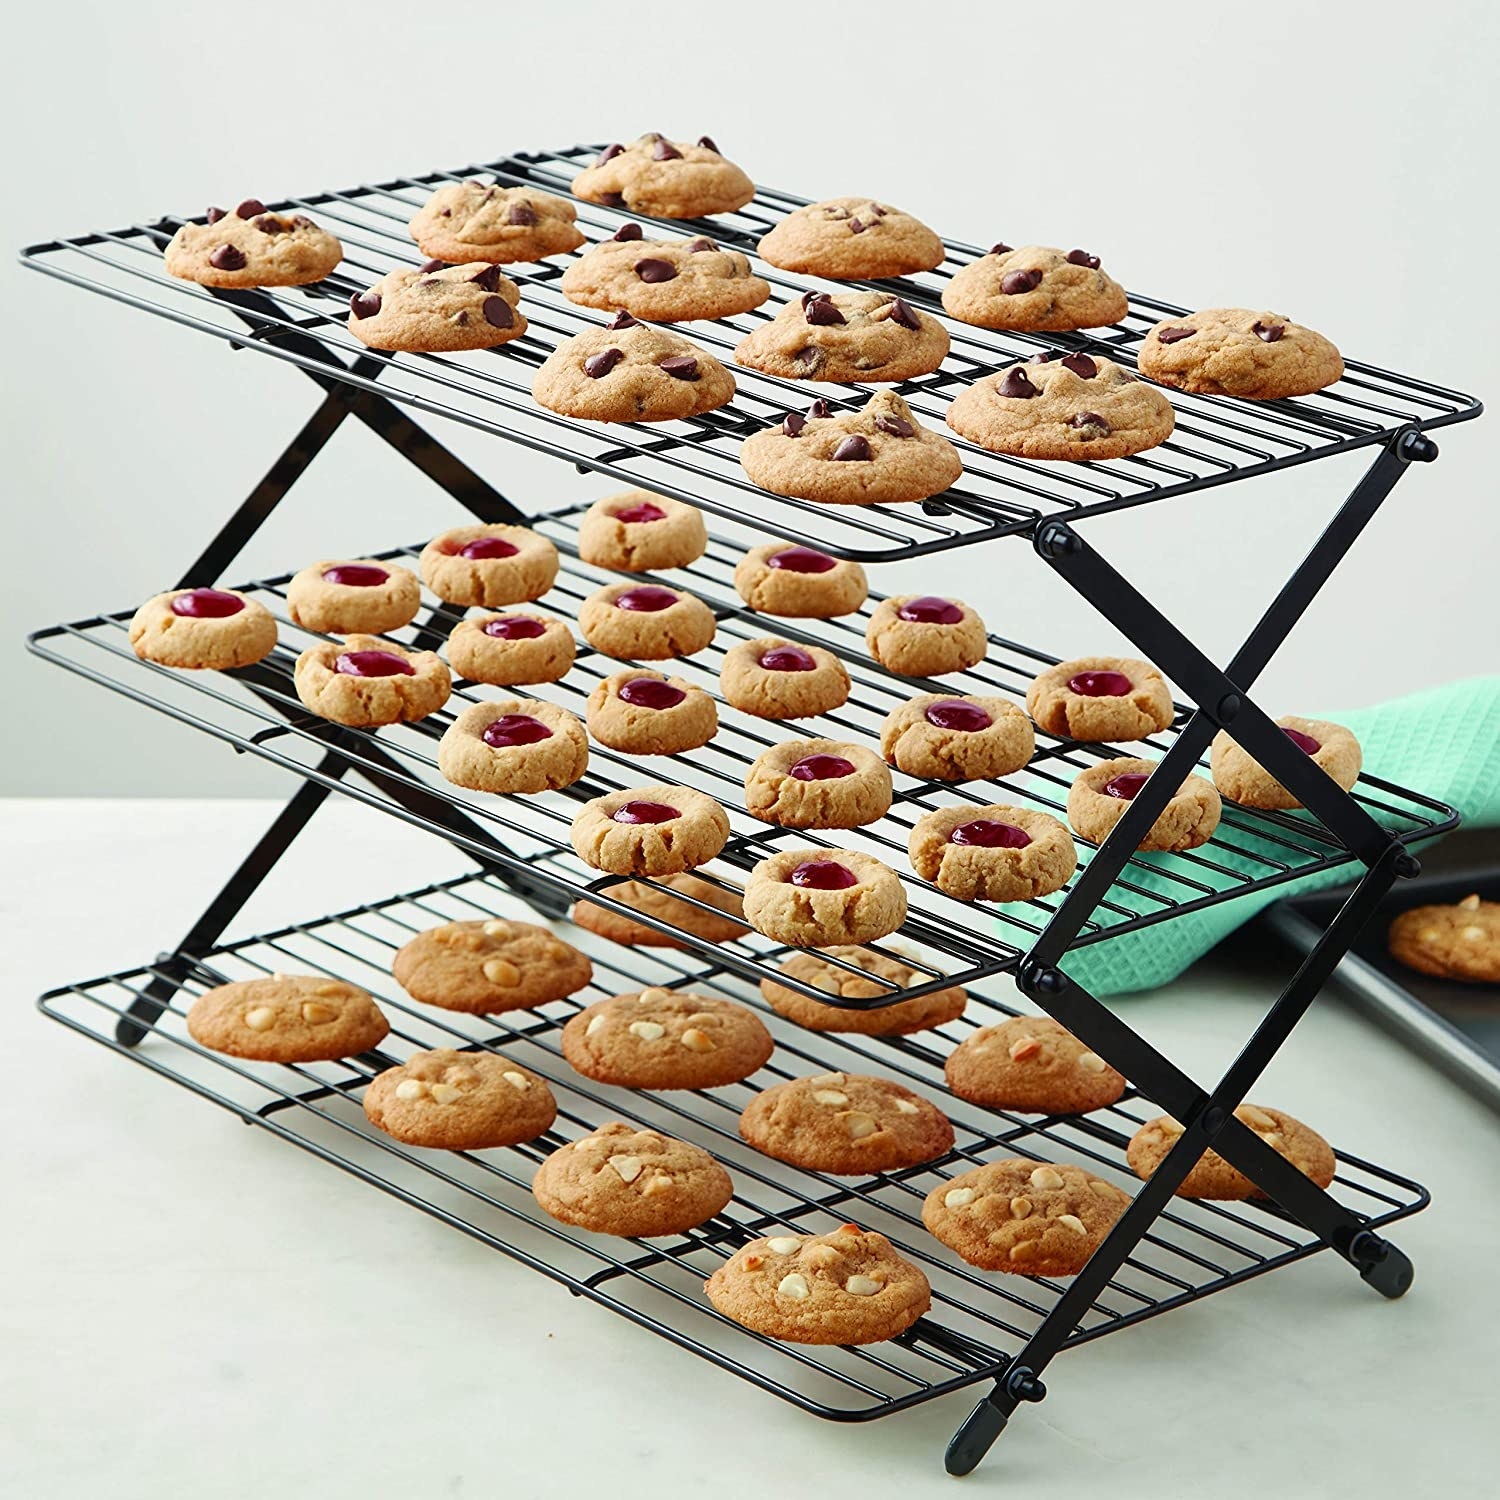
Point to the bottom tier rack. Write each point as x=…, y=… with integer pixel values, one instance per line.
x=977, y=1320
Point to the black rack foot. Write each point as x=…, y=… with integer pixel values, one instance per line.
x=988, y=1420
x=1381, y=1264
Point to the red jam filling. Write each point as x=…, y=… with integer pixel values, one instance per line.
x=207, y=604
x=787, y=659
x=1125, y=785
x=930, y=610
x=821, y=768
x=823, y=875
x=514, y=729
x=990, y=833
x=644, y=812
x=483, y=548
x=802, y=560
x=650, y=692
x=1304, y=742
x=642, y=511
x=355, y=575
x=646, y=600
x=1100, y=684
x=954, y=713
x=373, y=664
x=514, y=628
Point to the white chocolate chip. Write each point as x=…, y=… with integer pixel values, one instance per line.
x=830, y=1096
x=517, y=1080
x=1045, y=1178
x=328, y=991
x=1272, y=1138
x=695, y=1040
x=704, y=1018
x=660, y=1183
x=1469, y=903
x=1024, y=1047
x=1073, y=1222
x=906, y=1107
x=820, y=1256
x=831, y=1078
x=1091, y=1062
x=629, y=1167
x=261, y=1018
x=446, y=1093
x=654, y=996
x=794, y=1286
x=648, y=1031
x=1103, y=1189
x=501, y=930
x=783, y=1244
x=1427, y=935
x=1169, y=1127
x=558, y=952
x=958, y=1197
x=1472, y=934
x=859, y=1124
x=1020, y=1208
x=316, y=1014
x=498, y=971
x=1256, y=1119
x=596, y=1023
x=411, y=1088
x=861, y=1286
x=1024, y=1251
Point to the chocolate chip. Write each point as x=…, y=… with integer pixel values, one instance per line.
x=877, y=210
x=902, y=314
x=699, y=244
x=489, y=278
x=1086, y=419
x=598, y=365
x=1174, y=335
x=836, y=211
x=622, y=320
x=1000, y=248
x=855, y=227
x=270, y=224
x=896, y=426
x=521, y=213
x=612, y=200
x=707, y=142
x=432, y=265
x=810, y=360
x=1270, y=332
x=1013, y=283
x=681, y=367
x=631, y=231
x=820, y=310
x=812, y=297
x=461, y=318
x=793, y=423
x=498, y=312
x=664, y=150
x=1083, y=258
x=609, y=153
x=655, y=270
x=1081, y=365
x=447, y=213
x=365, y=304
x=1016, y=384
x=215, y=214
x=250, y=207
x=1045, y=357
x=428, y=281
x=227, y=258
x=853, y=447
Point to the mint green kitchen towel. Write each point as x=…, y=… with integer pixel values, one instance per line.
x=1443, y=743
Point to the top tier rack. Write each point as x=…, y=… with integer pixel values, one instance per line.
x=973, y=1335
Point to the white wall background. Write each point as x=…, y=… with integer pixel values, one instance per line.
x=1336, y=162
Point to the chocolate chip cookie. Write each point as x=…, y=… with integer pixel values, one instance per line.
x=489, y=565
x=1233, y=351
x=1100, y=699
x=665, y=179
x=944, y=738
x=513, y=745
x=366, y=681
x=1035, y=289
x=846, y=336
x=340, y=596
x=851, y=239
x=1461, y=941
x=645, y=622
x=636, y=531
x=287, y=1018
x=994, y=853
x=818, y=784
x=646, y=713
x=814, y=898
x=1212, y=1176
x=460, y=1101
x=250, y=246
x=799, y=582
x=649, y=830
x=707, y=909
x=438, y=309
x=202, y=629
x=1032, y=1063
x=480, y=221
x=900, y=1019
x=487, y=966
x=1099, y=796
x=1242, y=778
x=664, y=281
x=511, y=649
x=924, y=635
x=776, y=679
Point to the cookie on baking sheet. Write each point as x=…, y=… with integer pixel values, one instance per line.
x=1099, y=796
x=942, y=738
x=878, y=455
x=636, y=1183
x=251, y=246
x=994, y=853
x=1032, y=1063
x=799, y=582
x=1065, y=407
x=845, y=1123
x=815, y=898
x=846, y=336
x=649, y=830
x=203, y=629
x=631, y=372
x=1461, y=941
x=899, y=1019
x=366, y=680
x=665, y=179
x=1100, y=699
x=664, y=281
x=848, y=1287
x=1035, y=289
x=851, y=239
x=490, y=965
x=924, y=635
x=776, y=679
x=287, y=1018
x=460, y=1101
x=437, y=309
x=511, y=649
x=1242, y=778
x=1212, y=1176
x=638, y=531
x=666, y=1039
x=818, y=784
x=473, y=221
x=489, y=565
x=645, y=622
x=513, y=745
x=340, y=596
x=647, y=713
x=1233, y=351
x=1035, y=1218
x=659, y=898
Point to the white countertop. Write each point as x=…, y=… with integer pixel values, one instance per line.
x=192, y=1309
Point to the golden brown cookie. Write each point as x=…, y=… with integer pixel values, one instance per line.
x=1035, y=289
x=1461, y=941
x=473, y=221
x=1100, y=699
x=203, y=629
x=899, y=1019
x=1233, y=351
x=1035, y=1218
x=818, y=784
x=645, y=622
x=776, y=679
x=1212, y=1176
x=814, y=898
x=846, y=1124
x=489, y=565
x=511, y=649
x=664, y=281
x=636, y=1183
x=994, y=853
x=647, y=713
x=1242, y=778
x=513, y=745
x=251, y=246
x=460, y=1101
x=659, y=898
x=799, y=582
x=287, y=1018
x=666, y=1039
x=650, y=830
x=485, y=967
x=1099, y=796
x=665, y=179
x=367, y=680
x=945, y=738
x=1032, y=1063
x=848, y=1287
x=438, y=309
x=851, y=239
x=846, y=336
x=342, y=596
x=923, y=635
x=637, y=531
